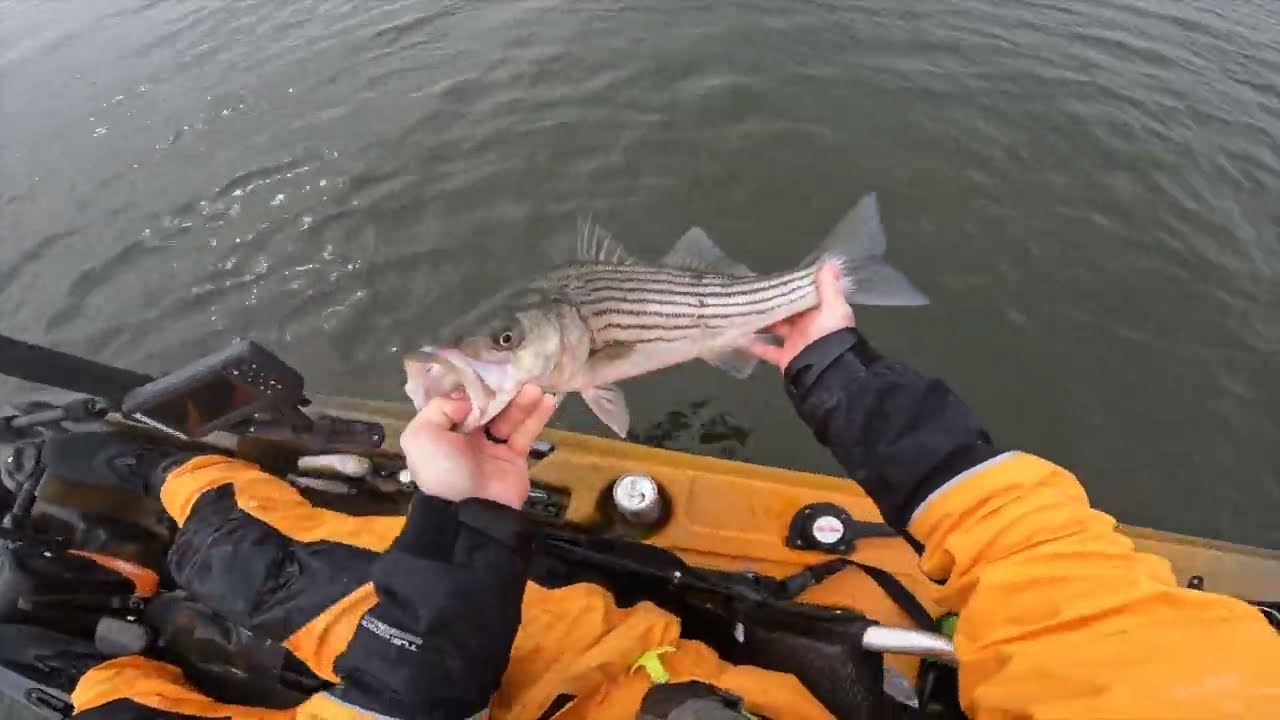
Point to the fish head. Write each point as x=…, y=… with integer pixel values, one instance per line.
x=488, y=354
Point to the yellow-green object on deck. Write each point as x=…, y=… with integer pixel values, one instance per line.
x=652, y=665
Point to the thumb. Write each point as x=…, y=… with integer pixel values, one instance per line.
x=440, y=413
x=831, y=285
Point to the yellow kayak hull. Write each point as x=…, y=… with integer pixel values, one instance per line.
x=735, y=516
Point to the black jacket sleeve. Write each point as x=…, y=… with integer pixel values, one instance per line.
x=898, y=434
x=449, y=591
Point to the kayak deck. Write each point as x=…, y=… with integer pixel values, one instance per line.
x=733, y=515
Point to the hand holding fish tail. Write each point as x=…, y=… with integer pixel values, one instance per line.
x=452, y=465
x=798, y=331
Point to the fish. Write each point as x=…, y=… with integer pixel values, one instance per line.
x=606, y=317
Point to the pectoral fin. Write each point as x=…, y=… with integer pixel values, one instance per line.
x=610, y=405
x=736, y=361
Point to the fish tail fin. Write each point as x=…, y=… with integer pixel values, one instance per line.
x=857, y=244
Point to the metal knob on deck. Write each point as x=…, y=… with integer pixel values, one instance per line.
x=638, y=499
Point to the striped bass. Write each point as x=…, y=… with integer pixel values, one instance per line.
x=607, y=317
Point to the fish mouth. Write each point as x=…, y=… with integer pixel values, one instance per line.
x=439, y=372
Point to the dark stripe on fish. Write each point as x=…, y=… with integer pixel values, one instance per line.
x=658, y=271
x=636, y=334
x=663, y=299
x=657, y=326
x=673, y=314
x=690, y=289
x=685, y=294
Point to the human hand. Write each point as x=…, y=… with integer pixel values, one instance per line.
x=454, y=466
x=798, y=331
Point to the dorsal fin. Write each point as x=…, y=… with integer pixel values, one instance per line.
x=695, y=251
x=595, y=244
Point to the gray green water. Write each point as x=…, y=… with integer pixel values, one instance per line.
x=1090, y=192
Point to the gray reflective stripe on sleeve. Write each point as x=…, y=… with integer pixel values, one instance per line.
x=357, y=708
x=395, y=636
x=980, y=467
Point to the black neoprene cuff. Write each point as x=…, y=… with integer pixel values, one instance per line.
x=433, y=526
x=807, y=366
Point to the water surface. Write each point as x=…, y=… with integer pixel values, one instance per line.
x=1090, y=192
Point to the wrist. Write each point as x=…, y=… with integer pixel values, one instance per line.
x=446, y=492
x=512, y=496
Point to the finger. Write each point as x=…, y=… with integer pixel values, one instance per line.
x=515, y=413
x=831, y=285
x=834, y=307
x=522, y=437
x=783, y=328
x=768, y=353
x=440, y=413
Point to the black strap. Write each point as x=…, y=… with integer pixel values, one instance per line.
x=558, y=703
x=913, y=542
x=46, y=366
x=793, y=585
x=899, y=594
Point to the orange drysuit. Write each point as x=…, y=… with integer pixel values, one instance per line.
x=1059, y=617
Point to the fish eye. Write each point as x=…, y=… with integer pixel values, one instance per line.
x=506, y=338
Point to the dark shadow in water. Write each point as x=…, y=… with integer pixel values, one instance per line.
x=696, y=428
